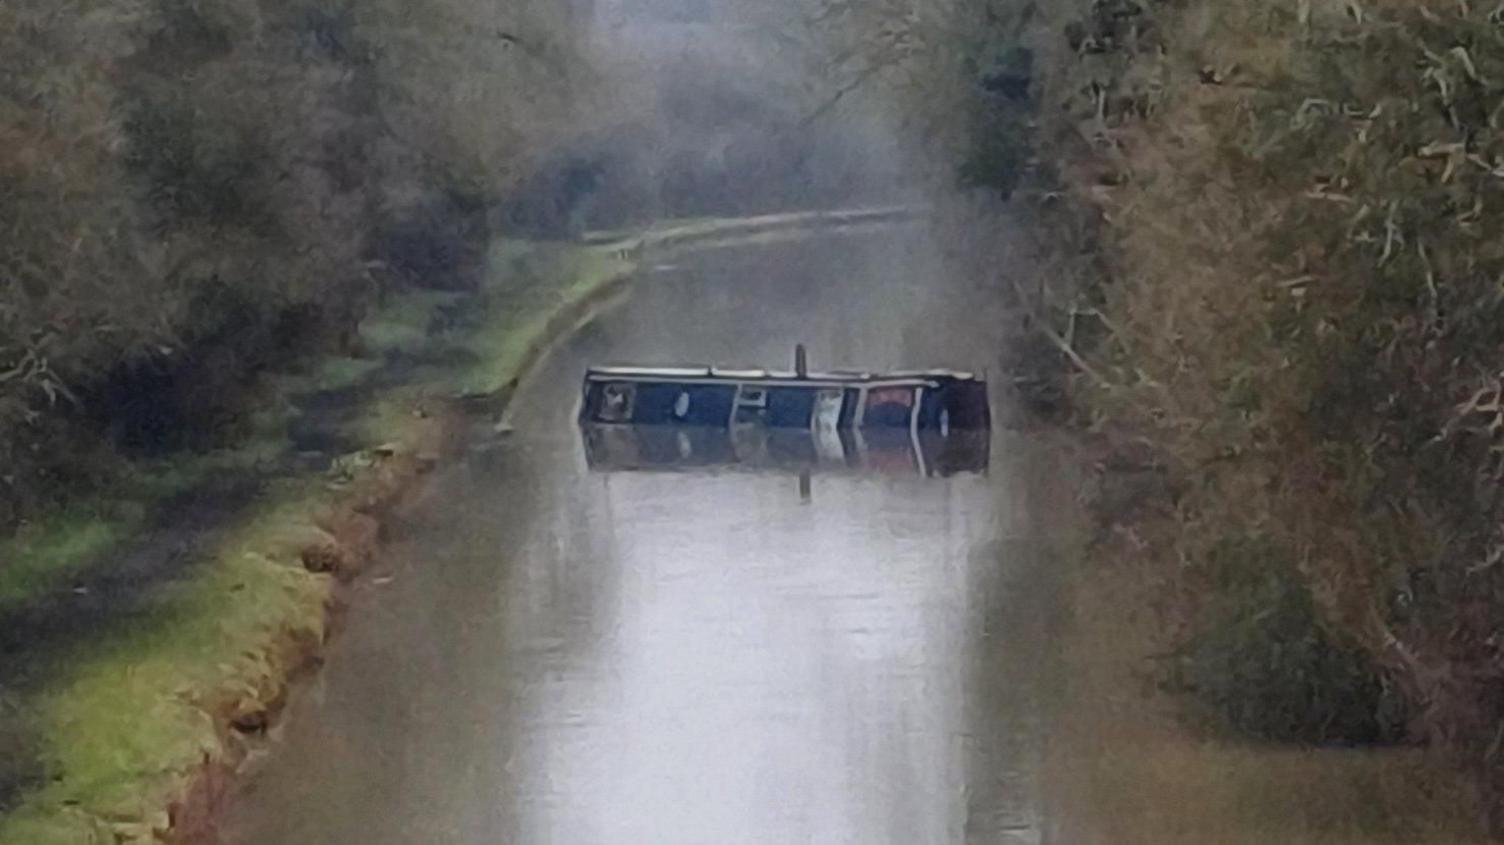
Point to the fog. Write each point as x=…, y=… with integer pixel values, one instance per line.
x=704, y=108
x=294, y=313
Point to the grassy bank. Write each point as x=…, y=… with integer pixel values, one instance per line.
x=143, y=647
x=146, y=635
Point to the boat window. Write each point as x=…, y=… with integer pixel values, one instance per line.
x=751, y=404
x=616, y=402
x=889, y=407
x=683, y=404
x=790, y=407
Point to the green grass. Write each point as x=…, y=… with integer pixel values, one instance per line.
x=43, y=558
x=49, y=555
x=693, y=228
x=503, y=346
x=402, y=325
x=335, y=373
x=46, y=555
x=712, y=239
x=125, y=718
x=125, y=721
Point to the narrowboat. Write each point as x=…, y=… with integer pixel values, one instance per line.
x=709, y=397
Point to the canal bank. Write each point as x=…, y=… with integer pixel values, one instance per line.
x=145, y=655
x=566, y=655
x=138, y=668
x=1129, y=759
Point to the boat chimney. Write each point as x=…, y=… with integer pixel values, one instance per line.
x=801, y=361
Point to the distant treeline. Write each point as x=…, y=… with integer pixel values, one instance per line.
x=192, y=190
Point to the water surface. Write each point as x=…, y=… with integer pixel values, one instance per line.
x=562, y=656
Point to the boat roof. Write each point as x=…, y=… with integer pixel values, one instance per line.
x=745, y=375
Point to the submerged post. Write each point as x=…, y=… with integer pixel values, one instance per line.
x=801, y=361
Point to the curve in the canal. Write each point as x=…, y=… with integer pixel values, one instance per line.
x=551, y=655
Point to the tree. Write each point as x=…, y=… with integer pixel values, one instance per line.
x=959, y=72
x=183, y=182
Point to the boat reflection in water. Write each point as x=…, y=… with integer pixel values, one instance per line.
x=931, y=423
x=618, y=448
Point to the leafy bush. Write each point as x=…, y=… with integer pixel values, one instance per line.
x=183, y=184
x=1261, y=662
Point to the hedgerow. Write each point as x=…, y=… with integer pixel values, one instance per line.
x=194, y=191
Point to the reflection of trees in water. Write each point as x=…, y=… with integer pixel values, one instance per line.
x=1013, y=664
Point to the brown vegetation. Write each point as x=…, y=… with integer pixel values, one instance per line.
x=1297, y=319
x=1264, y=254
